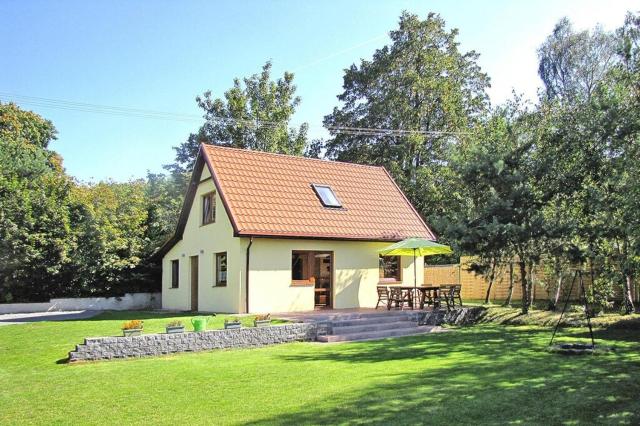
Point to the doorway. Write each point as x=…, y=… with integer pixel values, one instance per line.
x=194, y=282
x=323, y=272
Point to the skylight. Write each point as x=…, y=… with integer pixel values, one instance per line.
x=327, y=196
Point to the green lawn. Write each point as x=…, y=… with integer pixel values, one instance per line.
x=483, y=374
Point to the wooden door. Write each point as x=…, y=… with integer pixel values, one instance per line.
x=194, y=283
x=323, y=273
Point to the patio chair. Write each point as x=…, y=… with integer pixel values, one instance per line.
x=447, y=294
x=457, y=290
x=428, y=298
x=399, y=297
x=383, y=296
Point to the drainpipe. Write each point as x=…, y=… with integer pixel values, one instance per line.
x=246, y=276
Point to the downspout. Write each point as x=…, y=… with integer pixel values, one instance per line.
x=246, y=276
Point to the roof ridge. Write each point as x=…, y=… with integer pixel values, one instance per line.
x=298, y=157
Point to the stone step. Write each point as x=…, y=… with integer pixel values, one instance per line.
x=344, y=316
x=370, y=320
x=373, y=335
x=373, y=326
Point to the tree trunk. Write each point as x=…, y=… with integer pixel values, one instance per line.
x=507, y=302
x=556, y=297
x=553, y=302
x=525, y=287
x=492, y=276
x=626, y=294
x=530, y=292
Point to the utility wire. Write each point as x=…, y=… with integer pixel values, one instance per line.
x=67, y=105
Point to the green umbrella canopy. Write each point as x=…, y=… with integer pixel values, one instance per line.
x=415, y=247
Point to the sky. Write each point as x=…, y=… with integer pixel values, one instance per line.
x=160, y=55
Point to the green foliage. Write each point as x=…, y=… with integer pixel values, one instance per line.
x=59, y=238
x=573, y=63
x=254, y=114
x=34, y=208
x=421, y=81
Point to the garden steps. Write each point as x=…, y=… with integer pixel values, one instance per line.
x=372, y=326
x=380, y=334
x=370, y=320
x=356, y=326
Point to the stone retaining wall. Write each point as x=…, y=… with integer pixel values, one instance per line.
x=457, y=316
x=99, y=348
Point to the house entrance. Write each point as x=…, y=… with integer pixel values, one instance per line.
x=324, y=277
x=314, y=268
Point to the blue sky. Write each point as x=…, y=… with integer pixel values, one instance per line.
x=160, y=55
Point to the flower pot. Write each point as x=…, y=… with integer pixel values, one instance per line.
x=132, y=332
x=232, y=325
x=175, y=329
x=262, y=323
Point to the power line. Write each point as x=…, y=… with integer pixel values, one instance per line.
x=121, y=111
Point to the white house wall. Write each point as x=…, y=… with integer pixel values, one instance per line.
x=205, y=241
x=355, y=274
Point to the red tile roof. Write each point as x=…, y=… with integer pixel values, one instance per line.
x=269, y=194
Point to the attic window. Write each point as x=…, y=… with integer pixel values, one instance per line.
x=327, y=196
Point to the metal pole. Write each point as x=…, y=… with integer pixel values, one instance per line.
x=586, y=311
x=566, y=302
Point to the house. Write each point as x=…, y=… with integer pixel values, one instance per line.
x=263, y=232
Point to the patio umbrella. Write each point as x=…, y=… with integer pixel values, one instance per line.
x=415, y=247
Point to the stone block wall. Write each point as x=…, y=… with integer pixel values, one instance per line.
x=103, y=348
x=457, y=316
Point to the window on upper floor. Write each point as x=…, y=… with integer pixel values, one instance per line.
x=209, y=208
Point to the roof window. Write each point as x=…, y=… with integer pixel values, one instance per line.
x=326, y=195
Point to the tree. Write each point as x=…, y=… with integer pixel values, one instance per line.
x=34, y=203
x=503, y=217
x=422, y=84
x=254, y=114
x=572, y=63
x=110, y=240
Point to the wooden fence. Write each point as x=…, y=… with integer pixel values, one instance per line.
x=474, y=287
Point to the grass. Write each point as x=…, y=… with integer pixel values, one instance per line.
x=482, y=374
x=572, y=318
x=155, y=322
x=539, y=316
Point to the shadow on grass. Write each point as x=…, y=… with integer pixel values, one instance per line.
x=486, y=375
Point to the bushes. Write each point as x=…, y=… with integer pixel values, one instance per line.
x=59, y=238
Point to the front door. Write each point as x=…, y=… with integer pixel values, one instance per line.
x=194, y=283
x=323, y=273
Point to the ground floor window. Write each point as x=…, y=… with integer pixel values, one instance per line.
x=221, y=269
x=302, y=267
x=175, y=273
x=390, y=268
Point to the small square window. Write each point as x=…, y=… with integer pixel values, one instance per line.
x=326, y=195
x=209, y=208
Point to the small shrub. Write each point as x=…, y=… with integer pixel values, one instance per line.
x=263, y=317
x=175, y=323
x=231, y=320
x=132, y=325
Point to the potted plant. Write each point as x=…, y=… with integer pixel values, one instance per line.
x=175, y=327
x=263, y=320
x=132, y=328
x=232, y=323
